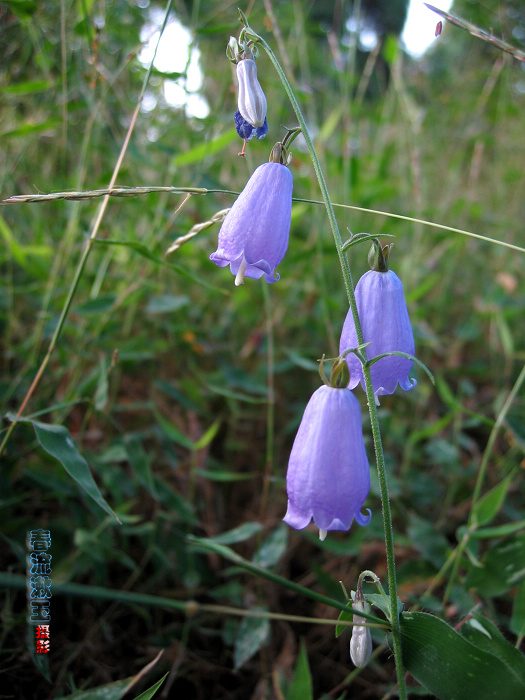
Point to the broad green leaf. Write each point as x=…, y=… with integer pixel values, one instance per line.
x=273, y=547
x=485, y=635
x=486, y=509
x=27, y=88
x=238, y=534
x=301, y=687
x=517, y=621
x=56, y=441
x=450, y=666
x=253, y=633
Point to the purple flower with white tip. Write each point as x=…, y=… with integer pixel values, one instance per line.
x=386, y=326
x=251, y=99
x=328, y=476
x=253, y=238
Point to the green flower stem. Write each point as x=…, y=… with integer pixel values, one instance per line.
x=229, y=554
x=374, y=421
x=190, y=607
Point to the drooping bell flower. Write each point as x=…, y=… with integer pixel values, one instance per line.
x=328, y=476
x=253, y=238
x=386, y=326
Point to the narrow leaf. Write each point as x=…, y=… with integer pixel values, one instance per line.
x=57, y=442
x=301, y=687
x=486, y=509
x=252, y=635
x=517, y=621
x=238, y=534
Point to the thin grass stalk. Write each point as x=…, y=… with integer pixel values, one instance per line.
x=89, y=244
x=349, y=286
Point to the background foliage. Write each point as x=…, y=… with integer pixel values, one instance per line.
x=183, y=393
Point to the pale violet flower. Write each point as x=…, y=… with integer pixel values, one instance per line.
x=386, y=326
x=253, y=238
x=328, y=476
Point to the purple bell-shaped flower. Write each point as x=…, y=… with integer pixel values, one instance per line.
x=328, y=476
x=253, y=238
x=386, y=326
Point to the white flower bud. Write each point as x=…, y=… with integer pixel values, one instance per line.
x=361, y=640
x=251, y=101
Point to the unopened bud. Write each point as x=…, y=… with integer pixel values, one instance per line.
x=251, y=101
x=361, y=640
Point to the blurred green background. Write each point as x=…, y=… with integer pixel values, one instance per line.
x=183, y=393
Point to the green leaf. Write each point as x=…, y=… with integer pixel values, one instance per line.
x=273, y=547
x=253, y=633
x=20, y=253
x=27, y=88
x=225, y=476
x=167, y=303
x=485, y=635
x=517, y=621
x=486, y=509
x=497, y=531
x=345, y=617
x=146, y=253
x=503, y=567
x=57, y=442
x=208, y=436
x=301, y=687
x=205, y=149
x=450, y=666
x=101, y=393
x=110, y=691
x=141, y=465
x=22, y=8
x=150, y=692
x=173, y=433
x=238, y=534
x=30, y=128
